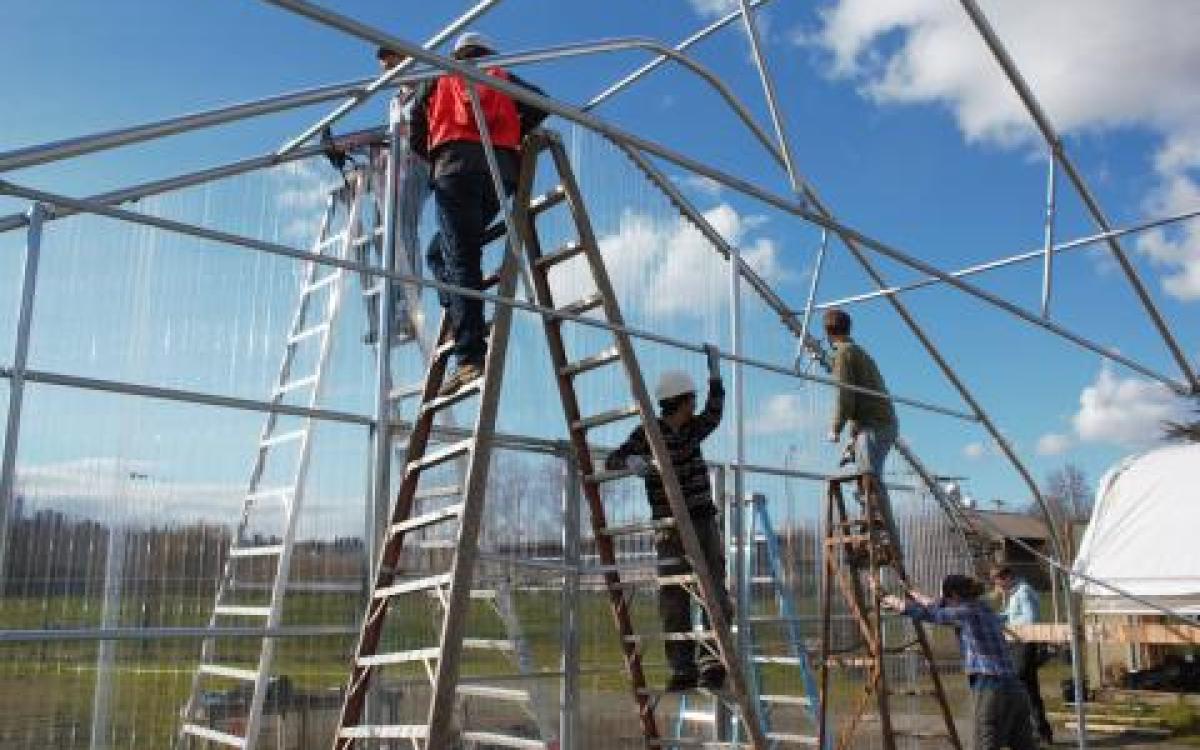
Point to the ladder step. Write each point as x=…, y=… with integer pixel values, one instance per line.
x=566, y=252
x=331, y=240
x=689, y=635
x=283, y=437
x=385, y=732
x=235, y=610
x=264, y=551
x=214, y=736
x=408, y=587
x=579, y=307
x=462, y=394
x=607, y=475
x=215, y=670
x=324, y=281
x=489, y=644
x=794, y=739
x=427, y=519
x=449, y=490
x=793, y=661
x=660, y=581
x=639, y=528
x=599, y=359
x=443, y=455
x=296, y=385
x=316, y=330
x=607, y=417
x=400, y=393
x=400, y=657
x=494, y=693
x=789, y=700
x=491, y=739
x=706, y=717
x=849, y=661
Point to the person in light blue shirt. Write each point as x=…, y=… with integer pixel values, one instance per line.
x=1021, y=607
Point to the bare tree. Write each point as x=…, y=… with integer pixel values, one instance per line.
x=1069, y=493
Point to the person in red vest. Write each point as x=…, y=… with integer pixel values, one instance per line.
x=443, y=130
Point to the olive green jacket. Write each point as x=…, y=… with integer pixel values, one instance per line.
x=853, y=366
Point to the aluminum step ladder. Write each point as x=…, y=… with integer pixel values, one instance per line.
x=239, y=598
x=700, y=583
x=423, y=507
x=858, y=548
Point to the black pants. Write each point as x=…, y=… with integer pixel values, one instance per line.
x=1026, y=655
x=675, y=603
x=1002, y=718
x=466, y=204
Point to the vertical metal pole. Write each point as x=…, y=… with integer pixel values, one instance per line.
x=572, y=500
x=728, y=504
x=114, y=574
x=16, y=384
x=1048, y=246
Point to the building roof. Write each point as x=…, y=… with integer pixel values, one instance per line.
x=1020, y=525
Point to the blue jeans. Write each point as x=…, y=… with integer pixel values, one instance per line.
x=466, y=204
x=871, y=447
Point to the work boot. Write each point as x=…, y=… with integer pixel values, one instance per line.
x=713, y=678
x=464, y=374
x=681, y=682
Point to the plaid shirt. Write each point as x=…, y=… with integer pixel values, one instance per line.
x=687, y=460
x=980, y=638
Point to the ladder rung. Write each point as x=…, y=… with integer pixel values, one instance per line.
x=296, y=385
x=449, y=490
x=236, y=610
x=402, y=392
x=432, y=582
x=795, y=739
x=599, y=359
x=793, y=661
x=849, y=661
x=687, y=635
x=579, y=307
x=706, y=717
x=491, y=739
x=214, y=736
x=607, y=475
x=442, y=350
x=263, y=551
x=660, y=581
x=443, y=455
x=462, y=394
x=385, y=732
x=566, y=252
x=235, y=673
x=848, y=539
x=494, y=693
x=283, y=437
x=400, y=657
x=639, y=528
x=790, y=700
x=762, y=579
x=324, y=281
x=489, y=644
x=607, y=417
x=331, y=240
x=427, y=519
x=308, y=333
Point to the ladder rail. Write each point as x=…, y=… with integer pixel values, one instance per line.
x=685, y=528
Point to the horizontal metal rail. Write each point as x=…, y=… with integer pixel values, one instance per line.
x=146, y=634
x=228, y=238
x=1074, y=244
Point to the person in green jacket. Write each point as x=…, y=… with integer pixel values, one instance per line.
x=870, y=420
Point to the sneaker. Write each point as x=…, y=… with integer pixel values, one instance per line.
x=464, y=374
x=713, y=678
x=681, y=682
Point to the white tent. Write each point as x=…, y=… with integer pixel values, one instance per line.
x=1144, y=536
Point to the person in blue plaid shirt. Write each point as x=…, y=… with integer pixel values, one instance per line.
x=1001, y=704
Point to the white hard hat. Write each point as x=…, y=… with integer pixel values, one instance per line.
x=674, y=383
x=473, y=39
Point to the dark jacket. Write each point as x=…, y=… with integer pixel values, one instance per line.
x=853, y=366
x=461, y=157
x=686, y=458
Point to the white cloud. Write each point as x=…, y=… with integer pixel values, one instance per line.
x=974, y=451
x=1092, y=66
x=668, y=266
x=701, y=184
x=714, y=8
x=1125, y=411
x=782, y=413
x=1053, y=444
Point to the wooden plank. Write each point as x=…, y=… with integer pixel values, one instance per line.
x=1106, y=631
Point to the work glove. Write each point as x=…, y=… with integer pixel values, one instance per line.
x=714, y=361
x=638, y=465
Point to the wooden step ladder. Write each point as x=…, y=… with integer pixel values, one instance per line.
x=857, y=549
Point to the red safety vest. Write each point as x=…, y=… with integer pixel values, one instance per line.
x=451, y=118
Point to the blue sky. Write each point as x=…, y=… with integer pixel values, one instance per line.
x=898, y=117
